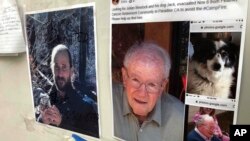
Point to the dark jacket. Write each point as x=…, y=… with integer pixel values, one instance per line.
x=77, y=114
x=194, y=136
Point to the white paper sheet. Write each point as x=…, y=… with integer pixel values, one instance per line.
x=11, y=36
x=226, y=18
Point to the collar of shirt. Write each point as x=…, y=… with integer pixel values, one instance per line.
x=155, y=115
x=203, y=136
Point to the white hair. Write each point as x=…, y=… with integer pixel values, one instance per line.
x=148, y=48
x=202, y=119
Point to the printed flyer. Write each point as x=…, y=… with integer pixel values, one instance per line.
x=176, y=62
x=11, y=32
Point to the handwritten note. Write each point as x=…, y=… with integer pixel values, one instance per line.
x=11, y=35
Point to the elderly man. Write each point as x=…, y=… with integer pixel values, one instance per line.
x=142, y=111
x=68, y=110
x=204, y=129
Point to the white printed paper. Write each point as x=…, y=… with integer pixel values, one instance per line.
x=131, y=11
x=221, y=23
x=11, y=36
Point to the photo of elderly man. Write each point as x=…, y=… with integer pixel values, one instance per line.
x=143, y=109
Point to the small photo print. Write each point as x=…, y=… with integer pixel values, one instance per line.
x=62, y=62
x=203, y=123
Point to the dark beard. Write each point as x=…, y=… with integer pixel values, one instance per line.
x=66, y=87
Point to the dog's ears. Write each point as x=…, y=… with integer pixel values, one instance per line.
x=203, y=49
x=233, y=53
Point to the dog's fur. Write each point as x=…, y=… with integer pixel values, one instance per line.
x=211, y=68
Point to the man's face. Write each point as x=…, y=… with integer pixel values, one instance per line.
x=208, y=128
x=144, y=83
x=62, y=71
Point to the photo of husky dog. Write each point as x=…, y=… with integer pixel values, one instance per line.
x=211, y=68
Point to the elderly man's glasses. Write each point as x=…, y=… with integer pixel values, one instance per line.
x=151, y=87
x=210, y=128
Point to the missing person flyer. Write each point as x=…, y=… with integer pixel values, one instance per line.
x=176, y=68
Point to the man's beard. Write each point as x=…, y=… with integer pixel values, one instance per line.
x=63, y=84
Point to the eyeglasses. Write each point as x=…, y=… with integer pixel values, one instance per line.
x=151, y=87
x=210, y=128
